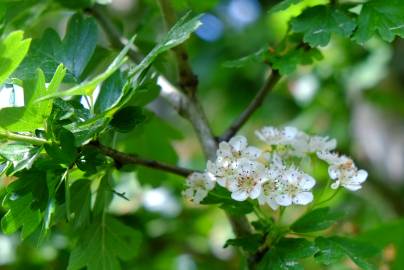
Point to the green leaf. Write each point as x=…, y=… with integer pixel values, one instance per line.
x=33, y=114
x=285, y=58
x=180, y=32
x=217, y=196
x=87, y=130
x=81, y=202
x=292, y=249
x=79, y=43
x=90, y=159
x=285, y=254
x=256, y=57
x=21, y=155
x=273, y=260
x=333, y=249
x=249, y=243
x=103, y=244
x=318, y=23
x=74, y=51
x=287, y=62
x=24, y=200
x=284, y=5
x=77, y=4
x=104, y=195
x=382, y=18
x=222, y=196
x=110, y=93
x=145, y=93
x=127, y=118
x=65, y=152
x=88, y=87
x=237, y=208
x=20, y=215
x=12, y=51
x=316, y=220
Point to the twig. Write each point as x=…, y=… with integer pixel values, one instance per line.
x=4, y=134
x=252, y=107
x=123, y=158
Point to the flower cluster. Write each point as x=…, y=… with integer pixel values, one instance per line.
x=270, y=174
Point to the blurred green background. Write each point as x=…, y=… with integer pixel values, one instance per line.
x=355, y=94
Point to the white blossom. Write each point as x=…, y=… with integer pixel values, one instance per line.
x=270, y=188
x=228, y=157
x=305, y=144
x=236, y=148
x=274, y=136
x=273, y=175
x=198, y=186
x=343, y=170
x=295, y=188
x=298, y=142
x=247, y=182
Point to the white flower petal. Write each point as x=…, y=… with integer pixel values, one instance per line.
x=333, y=172
x=211, y=167
x=307, y=182
x=223, y=181
x=188, y=193
x=224, y=150
x=238, y=143
x=272, y=203
x=283, y=199
x=239, y=195
x=290, y=132
x=303, y=198
x=210, y=184
x=361, y=176
x=255, y=192
x=252, y=152
x=352, y=187
x=199, y=195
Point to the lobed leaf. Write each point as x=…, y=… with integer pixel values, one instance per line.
x=333, y=249
x=13, y=49
x=316, y=220
x=382, y=18
x=33, y=114
x=74, y=51
x=103, y=244
x=318, y=23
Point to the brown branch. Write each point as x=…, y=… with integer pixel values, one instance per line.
x=188, y=81
x=123, y=158
x=252, y=107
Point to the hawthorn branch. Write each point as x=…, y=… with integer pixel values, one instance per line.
x=123, y=158
x=255, y=103
x=188, y=107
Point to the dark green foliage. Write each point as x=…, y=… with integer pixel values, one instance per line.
x=74, y=51
x=318, y=23
x=316, y=220
x=60, y=185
